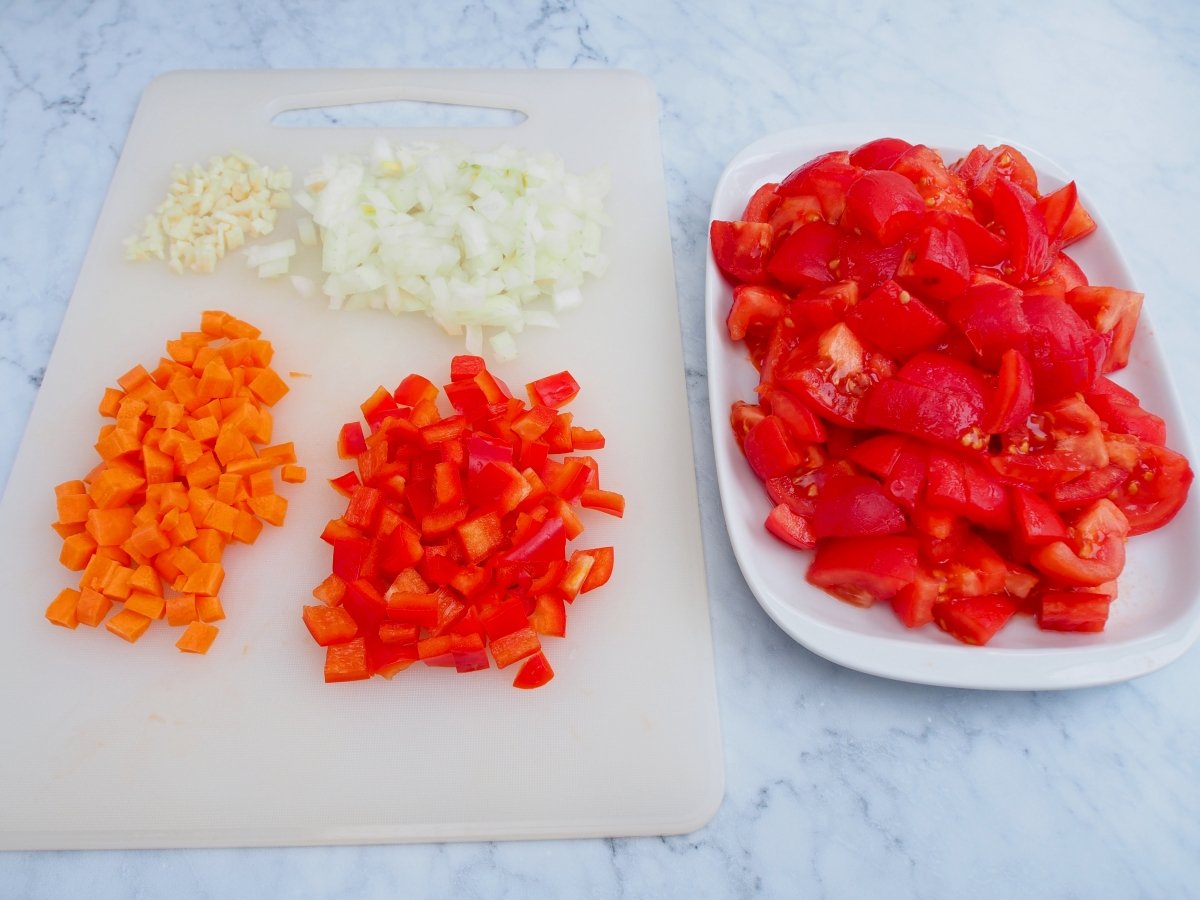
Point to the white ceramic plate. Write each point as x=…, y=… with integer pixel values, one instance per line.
x=1157, y=616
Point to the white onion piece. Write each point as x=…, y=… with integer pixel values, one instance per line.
x=484, y=243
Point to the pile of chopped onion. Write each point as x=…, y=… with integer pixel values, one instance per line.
x=499, y=239
x=210, y=211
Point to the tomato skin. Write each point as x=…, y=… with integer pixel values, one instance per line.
x=879, y=154
x=974, y=620
x=884, y=205
x=827, y=178
x=895, y=323
x=855, y=506
x=1036, y=521
x=790, y=527
x=1123, y=414
x=801, y=422
x=741, y=249
x=1066, y=355
x=769, y=449
x=865, y=569
x=762, y=204
x=1012, y=401
x=1073, y=610
x=802, y=259
x=936, y=264
x=1030, y=253
x=992, y=316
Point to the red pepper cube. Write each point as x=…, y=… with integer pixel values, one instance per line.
x=577, y=570
x=447, y=484
x=514, y=647
x=437, y=651
x=415, y=389
x=534, y=673
x=553, y=390
x=464, y=367
x=549, y=615
x=605, y=501
x=587, y=438
x=535, y=422
x=363, y=510
x=351, y=440
x=345, y=484
x=480, y=536
x=467, y=399
x=373, y=461
x=386, y=659
x=364, y=602
x=504, y=618
x=378, y=404
x=545, y=545
x=329, y=624
x=402, y=549
x=601, y=570
x=412, y=608
x=346, y=662
x=349, y=553
x=399, y=633
x=468, y=652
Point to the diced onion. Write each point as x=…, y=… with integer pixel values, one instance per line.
x=477, y=241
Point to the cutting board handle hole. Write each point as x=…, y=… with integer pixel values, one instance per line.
x=398, y=114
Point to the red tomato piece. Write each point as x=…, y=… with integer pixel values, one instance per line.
x=762, y=204
x=974, y=620
x=1095, y=552
x=855, y=506
x=863, y=570
x=936, y=264
x=805, y=257
x=1156, y=489
x=754, y=306
x=1112, y=312
x=1029, y=245
x=827, y=178
x=801, y=422
x=894, y=322
x=884, y=205
x=1065, y=353
x=878, y=154
x=1012, y=401
x=790, y=527
x=741, y=249
x=1073, y=610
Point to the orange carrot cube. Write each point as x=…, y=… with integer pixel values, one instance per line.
x=61, y=610
x=197, y=637
x=128, y=625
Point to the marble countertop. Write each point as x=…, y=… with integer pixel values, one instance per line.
x=837, y=783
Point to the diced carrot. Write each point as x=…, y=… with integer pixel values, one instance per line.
x=247, y=528
x=197, y=637
x=206, y=579
x=220, y=516
x=260, y=483
x=93, y=606
x=232, y=445
x=73, y=508
x=77, y=550
x=208, y=544
x=135, y=376
x=146, y=579
x=271, y=507
x=212, y=322
x=98, y=570
x=114, y=487
x=110, y=402
x=236, y=328
x=128, y=625
x=268, y=387
x=65, y=530
x=181, y=609
x=293, y=474
x=159, y=467
x=148, y=605
x=284, y=453
x=204, y=472
x=186, y=560
x=62, y=609
x=118, y=583
x=149, y=540
x=185, y=530
x=209, y=608
x=181, y=351
x=117, y=442
x=110, y=527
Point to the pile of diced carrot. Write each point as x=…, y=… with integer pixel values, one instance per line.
x=183, y=473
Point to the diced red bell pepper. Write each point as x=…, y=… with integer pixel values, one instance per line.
x=415, y=389
x=329, y=624
x=351, y=441
x=534, y=673
x=514, y=647
x=346, y=662
x=553, y=390
x=602, y=568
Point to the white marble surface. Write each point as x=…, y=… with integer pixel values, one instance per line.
x=838, y=784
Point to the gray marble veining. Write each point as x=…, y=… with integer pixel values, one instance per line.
x=838, y=784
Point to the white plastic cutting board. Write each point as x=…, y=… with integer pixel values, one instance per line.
x=104, y=744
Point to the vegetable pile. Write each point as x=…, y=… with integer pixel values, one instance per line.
x=934, y=415
x=180, y=478
x=210, y=211
x=475, y=240
x=453, y=542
